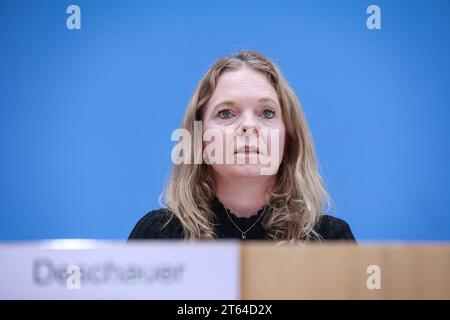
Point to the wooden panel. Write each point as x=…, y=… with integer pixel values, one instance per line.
x=339, y=271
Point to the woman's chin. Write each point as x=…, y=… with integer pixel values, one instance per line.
x=242, y=170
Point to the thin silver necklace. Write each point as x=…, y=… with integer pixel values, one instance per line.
x=244, y=233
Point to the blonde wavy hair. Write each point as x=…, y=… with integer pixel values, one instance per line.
x=298, y=198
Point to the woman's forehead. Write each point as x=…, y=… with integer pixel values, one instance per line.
x=243, y=83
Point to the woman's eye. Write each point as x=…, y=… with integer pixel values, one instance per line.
x=225, y=114
x=268, y=114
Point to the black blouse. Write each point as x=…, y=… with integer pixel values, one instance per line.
x=151, y=226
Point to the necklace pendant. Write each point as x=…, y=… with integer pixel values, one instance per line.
x=243, y=235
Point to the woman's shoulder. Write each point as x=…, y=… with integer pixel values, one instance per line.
x=332, y=228
x=162, y=224
x=157, y=224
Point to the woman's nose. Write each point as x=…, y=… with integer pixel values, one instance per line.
x=247, y=126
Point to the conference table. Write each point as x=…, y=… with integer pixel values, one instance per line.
x=223, y=270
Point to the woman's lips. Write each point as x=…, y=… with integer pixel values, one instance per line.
x=247, y=150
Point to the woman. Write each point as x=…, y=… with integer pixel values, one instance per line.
x=271, y=188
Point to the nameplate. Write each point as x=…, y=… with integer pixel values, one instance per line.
x=74, y=269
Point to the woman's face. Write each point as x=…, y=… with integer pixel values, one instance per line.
x=244, y=112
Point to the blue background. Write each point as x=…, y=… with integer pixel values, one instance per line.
x=86, y=115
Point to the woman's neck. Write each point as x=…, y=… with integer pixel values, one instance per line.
x=243, y=196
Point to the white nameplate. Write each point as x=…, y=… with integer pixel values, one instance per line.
x=74, y=269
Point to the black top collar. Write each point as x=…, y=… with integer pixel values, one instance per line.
x=226, y=229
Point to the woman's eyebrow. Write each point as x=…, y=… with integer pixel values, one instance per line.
x=232, y=103
x=268, y=100
x=222, y=103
